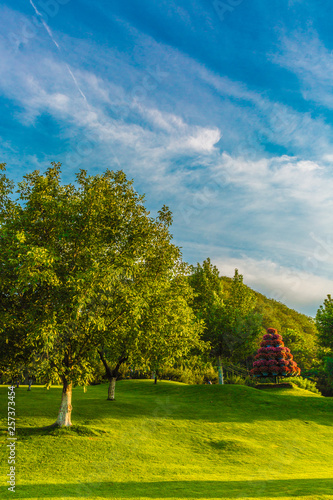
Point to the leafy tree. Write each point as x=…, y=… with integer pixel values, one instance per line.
x=208, y=299
x=205, y=281
x=72, y=258
x=328, y=367
x=160, y=289
x=170, y=330
x=324, y=322
x=231, y=325
x=15, y=352
x=304, y=349
x=239, y=324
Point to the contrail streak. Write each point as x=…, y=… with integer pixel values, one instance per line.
x=56, y=44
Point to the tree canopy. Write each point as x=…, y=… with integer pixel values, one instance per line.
x=324, y=322
x=231, y=324
x=79, y=263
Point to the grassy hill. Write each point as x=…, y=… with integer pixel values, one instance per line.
x=172, y=441
x=278, y=315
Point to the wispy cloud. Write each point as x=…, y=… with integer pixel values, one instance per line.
x=58, y=47
x=196, y=140
x=306, y=56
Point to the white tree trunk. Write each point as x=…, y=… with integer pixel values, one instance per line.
x=65, y=410
x=112, y=389
x=220, y=369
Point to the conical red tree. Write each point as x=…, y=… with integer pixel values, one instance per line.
x=273, y=358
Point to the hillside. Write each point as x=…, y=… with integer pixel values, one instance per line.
x=298, y=330
x=278, y=315
x=173, y=440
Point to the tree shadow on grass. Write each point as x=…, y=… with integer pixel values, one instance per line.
x=55, y=430
x=273, y=488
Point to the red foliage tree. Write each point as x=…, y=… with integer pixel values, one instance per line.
x=273, y=358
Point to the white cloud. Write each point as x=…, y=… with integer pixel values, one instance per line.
x=252, y=204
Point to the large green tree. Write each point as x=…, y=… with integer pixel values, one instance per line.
x=73, y=260
x=162, y=321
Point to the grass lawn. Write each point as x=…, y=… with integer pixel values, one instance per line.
x=172, y=441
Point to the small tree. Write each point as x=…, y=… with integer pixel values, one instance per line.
x=273, y=359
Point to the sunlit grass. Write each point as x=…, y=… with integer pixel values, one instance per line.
x=173, y=441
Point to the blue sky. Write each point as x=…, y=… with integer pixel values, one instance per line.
x=223, y=110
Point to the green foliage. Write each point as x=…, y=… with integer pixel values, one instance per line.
x=303, y=383
x=205, y=281
x=85, y=267
x=304, y=349
x=234, y=379
x=324, y=322
x=239, y=325
x=231, y=325
x=328, y=367
x=239, y=380
x=190, y=374
x=170, y=330
x=184, y=375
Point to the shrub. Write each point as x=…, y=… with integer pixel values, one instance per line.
x=237, y=379
x=304, y=383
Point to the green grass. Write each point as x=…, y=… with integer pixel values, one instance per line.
x=172, y=441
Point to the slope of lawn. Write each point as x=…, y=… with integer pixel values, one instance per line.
x=172, y=441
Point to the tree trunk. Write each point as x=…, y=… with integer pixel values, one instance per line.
x=112, y=388
x=111, y=374
x=30, y=384
x=155, y=378
x=220, y=369
x=65, y=410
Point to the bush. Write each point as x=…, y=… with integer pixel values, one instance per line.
x=234, y=379
x=184, y=375
x=303, y=383
x=238, y=379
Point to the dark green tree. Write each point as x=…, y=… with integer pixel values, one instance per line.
x=305, y=349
